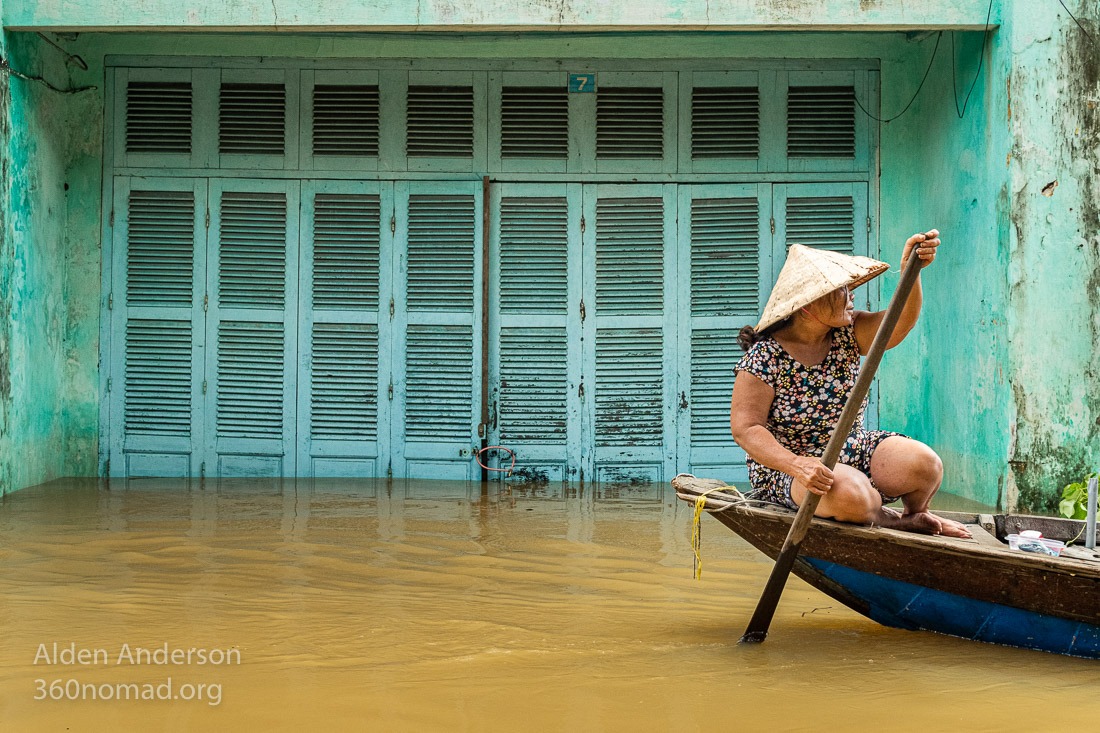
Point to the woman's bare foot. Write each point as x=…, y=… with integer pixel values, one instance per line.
x=951, y=528
x=922, y=523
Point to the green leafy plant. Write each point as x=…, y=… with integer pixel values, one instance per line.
x=1075, y=498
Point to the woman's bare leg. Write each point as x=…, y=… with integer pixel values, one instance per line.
x=853, y=499
x=909, y=469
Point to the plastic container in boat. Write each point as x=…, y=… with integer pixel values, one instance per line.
x=1037, y=545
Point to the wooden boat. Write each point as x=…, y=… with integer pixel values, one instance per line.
x=977, y=588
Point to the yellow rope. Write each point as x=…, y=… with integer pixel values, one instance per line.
x=696, y=532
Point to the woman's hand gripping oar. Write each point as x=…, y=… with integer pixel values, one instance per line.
x=757, y=630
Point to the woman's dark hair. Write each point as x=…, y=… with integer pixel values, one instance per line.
x=747, y=336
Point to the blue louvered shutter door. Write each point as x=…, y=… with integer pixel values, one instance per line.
x=630, y=331
x=343, y=408
x=251, y=328
x=535, y=328
x=258, y=118
x=720, y=121
x=727, y=230
x=156, y=326
x=825, y=131
x=437, y=329
x=154, y=111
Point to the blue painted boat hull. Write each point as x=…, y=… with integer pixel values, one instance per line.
x=976, y=588
x=907, y=606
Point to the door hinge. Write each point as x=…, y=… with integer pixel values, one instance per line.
x=202, y=470
x=773, y=224
x=580, y=391
x=205, y=302
x=393, y=224
x=107, y=468
x=207, y=218
x=389, y=469
x=582, y=310
x=481, y=430
x=868, y=225
x=204, y=386
x=389, y=391
x=111, y=219
x=109, y=383
x=582, y=225
x=683, y=401
x=110, y=301
x=391, y=308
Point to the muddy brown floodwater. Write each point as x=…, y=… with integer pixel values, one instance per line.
x=434, y=606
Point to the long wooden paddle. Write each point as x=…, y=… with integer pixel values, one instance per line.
x=765, y=608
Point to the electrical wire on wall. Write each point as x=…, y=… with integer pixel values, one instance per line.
x=961, y=110
x=928, y=69
x=981, y=58
x=935, y=50
x=1087, y=34
x=7, y=69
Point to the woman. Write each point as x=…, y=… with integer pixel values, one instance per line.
x=791, y=386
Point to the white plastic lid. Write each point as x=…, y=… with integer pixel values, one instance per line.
x=1031, y=534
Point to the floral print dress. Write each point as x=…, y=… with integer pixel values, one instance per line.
x=808, y=402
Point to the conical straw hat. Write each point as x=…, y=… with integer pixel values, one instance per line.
x=809, y=274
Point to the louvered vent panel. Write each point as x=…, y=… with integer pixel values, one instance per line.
x=533, y=385
x=629, y=256
x=158, y=117
x=439, y=383
x=725, y=256
x=441, y=253
x=821, y=122
x=158, y=378
x=160, y=249
x=629, y=387
x=346, y=231
x=534, y=240
x=440, y=122
x=826, y=222
x=252, y=119
x=252, y=268
x=250, y=380
x=630, y=123
x=725, y=122
x=534, y=122
x=345, y=120
x=344, y=393
x=713, y=356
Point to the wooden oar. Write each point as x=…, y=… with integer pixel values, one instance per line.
x=765, y=608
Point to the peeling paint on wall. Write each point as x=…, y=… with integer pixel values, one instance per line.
x=1056, y=285
x=39, y=287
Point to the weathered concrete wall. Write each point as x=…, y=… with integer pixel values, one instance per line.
x=566, y=15
x=45, y=277
x=998, y=377
x=1052, y=81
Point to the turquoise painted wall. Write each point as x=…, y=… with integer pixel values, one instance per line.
x=996, y=376
x=46, y=263
x=947, y=384
x=930, y=386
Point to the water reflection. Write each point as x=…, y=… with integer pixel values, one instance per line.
x=421, y=605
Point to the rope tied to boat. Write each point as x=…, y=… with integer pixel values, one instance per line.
x=696, y=526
